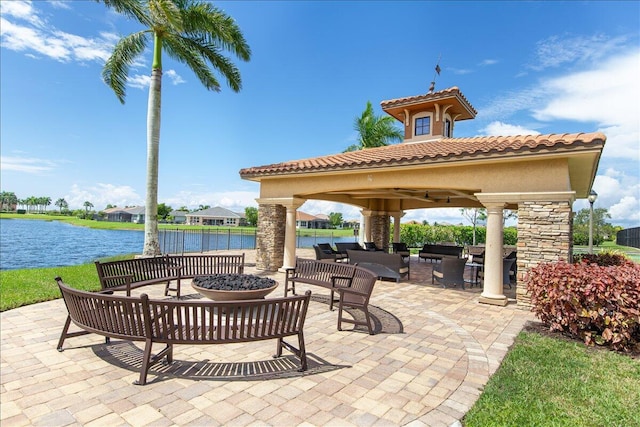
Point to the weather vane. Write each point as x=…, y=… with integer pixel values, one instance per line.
x=433, y=82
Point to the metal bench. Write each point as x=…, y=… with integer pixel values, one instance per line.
x=125, y=275
x=173, y=321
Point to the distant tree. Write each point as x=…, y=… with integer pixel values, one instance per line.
x=183, y=209
x=87, y=205
x=62, y=204
x=8, y=201
x=602, y=230
x=193, y=32
x=46, y=201
x=110, y=206
x=374, y=131
x=474, y=216
x=508, y=214
x=251, y=215
x=203, y=207
x=164, y=211
x=335, y=218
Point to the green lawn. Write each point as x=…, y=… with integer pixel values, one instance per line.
x=551, y=381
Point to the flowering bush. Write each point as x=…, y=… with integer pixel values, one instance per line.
x=597, y=303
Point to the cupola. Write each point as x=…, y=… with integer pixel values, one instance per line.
x=431, y=116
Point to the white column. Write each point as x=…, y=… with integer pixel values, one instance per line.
x=493, y=287
x=290, y=239
x=366, y=217
x=396, y=226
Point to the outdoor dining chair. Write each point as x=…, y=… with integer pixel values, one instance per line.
x=450, y=271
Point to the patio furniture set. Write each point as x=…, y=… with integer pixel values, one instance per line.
x=177, y=321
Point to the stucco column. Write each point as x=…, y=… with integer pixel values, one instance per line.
x=396, y=225
x=292, y=206
x=366, y=217
x=492, y=292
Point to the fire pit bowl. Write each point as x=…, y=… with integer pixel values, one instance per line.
x=232, y=287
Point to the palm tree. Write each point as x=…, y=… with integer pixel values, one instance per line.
x=193, y=32
x=87, y=205
x=374, y=131
x=62, y=204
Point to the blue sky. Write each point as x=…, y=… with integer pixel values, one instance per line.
x=527, y=67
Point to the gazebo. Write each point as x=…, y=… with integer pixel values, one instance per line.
x=538, y=175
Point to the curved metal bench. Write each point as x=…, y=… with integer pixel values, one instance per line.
x=172, y=322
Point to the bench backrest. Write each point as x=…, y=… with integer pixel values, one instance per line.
x=393, y=261
x=443, y=250
x=181, y=322
x=342, y=247
x=200, y=265
x=114, y=316
x=114, y=273
x=176, y=321
x=322, y=271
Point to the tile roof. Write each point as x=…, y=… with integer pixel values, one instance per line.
x=438, y=151
x=445, y=93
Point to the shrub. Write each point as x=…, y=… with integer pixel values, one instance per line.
x=603, y=259
x=599, y=304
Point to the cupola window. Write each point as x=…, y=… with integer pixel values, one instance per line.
x=447, y=128
x=423, y=126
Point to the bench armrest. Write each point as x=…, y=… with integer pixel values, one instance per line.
x=345, y=278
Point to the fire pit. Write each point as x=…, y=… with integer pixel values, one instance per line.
x=230, y=287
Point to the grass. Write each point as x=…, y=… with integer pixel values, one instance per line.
x=547, y=381
x=30, y=286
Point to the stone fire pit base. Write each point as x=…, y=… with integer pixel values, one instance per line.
x=232, y=287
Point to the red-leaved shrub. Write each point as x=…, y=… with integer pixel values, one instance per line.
x=599, y=304
x=604, y=259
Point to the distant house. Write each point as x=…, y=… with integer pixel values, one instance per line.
x=132, y=214
x=179, y=217
x=305, y=220
x=216, y=216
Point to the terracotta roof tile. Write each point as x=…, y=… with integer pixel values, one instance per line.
x=443, y=150
x=452, y=91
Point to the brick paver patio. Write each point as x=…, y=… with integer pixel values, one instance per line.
x=434, y=351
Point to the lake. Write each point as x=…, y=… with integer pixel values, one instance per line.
x=40, y=243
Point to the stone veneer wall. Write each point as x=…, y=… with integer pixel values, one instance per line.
x=272, y=223
x=380, y=231
x=544, y=235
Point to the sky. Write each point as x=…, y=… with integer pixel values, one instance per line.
x=526, y=67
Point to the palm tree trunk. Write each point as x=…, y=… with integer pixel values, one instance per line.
x=151, y=243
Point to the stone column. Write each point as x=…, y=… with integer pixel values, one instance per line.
x=270, y=236
x=544, y=235
x=380, y=229
x=493, y=292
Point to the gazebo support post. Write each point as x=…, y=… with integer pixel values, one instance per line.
x=493, y=288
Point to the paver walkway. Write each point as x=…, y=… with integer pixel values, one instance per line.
x=434, y=351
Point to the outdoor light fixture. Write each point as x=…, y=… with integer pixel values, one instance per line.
x=448, y=199
x=592, y=199
x=426, y=195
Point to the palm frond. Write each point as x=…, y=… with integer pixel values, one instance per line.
x=116, y=69
x=183, y=50
x=207, y=22
x=166, y=16
x=135, y=9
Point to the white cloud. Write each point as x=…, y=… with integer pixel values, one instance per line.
x=29, y=165
x=175, y=78
x=141, y=81
x=505, y=129
x=40, y=40
x=557, y=50
x=101, y=195
x=21, y=10
x=486, y=62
